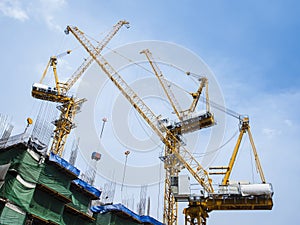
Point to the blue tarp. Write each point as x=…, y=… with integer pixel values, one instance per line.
x=68, y=166
x=122, y=208
x=87, y=187
x=64, y=163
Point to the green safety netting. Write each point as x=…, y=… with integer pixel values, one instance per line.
x=112, y=219
x=29, y=168
x=9, y=216
x=102, y=219
x=17, y=192
x=7, y=156
x=23, y=192
x=33, y=171
x=46, y=206
x=22, y=162
x=71, y=219
x=55, y=179
x=80, y=201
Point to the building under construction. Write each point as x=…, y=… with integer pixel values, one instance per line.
x=40, y=189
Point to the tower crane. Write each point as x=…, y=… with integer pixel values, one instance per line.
x=177, y=156
x=69, y=104
x=232, y=195
x=186, y=123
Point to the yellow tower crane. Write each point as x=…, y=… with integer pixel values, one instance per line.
x=177, y=157
x=69, y=104
x=232, y=195
x=186, y=123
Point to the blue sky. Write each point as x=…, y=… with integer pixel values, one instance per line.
x=251, y=46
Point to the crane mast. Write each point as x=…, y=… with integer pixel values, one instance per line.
x=64, y=124
x=69, y=105
x=174, y=149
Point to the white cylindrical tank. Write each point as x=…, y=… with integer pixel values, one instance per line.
x=256, y=189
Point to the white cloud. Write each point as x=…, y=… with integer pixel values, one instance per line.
x=51, y=23
x=47, y=9
x=41, y=10
x=13, y=9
